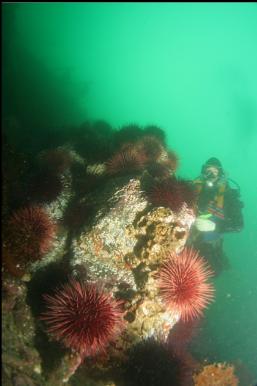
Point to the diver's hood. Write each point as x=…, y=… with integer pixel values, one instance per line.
x=213, y=162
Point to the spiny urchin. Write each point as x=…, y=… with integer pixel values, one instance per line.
x=157, y=132
x=128, y=133
x=158, y=171
x=151, y=364
x=172, y=193
x=182, y=334
x=83, y=317
x=172, y=160
x=58, y=160
x=45, y=186
x=125, y=162
x=29, y=234
x=182, y=281
x=150, y=146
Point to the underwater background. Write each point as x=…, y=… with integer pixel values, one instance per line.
x=188, y=68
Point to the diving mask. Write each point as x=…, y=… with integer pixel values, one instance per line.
x=211, y=175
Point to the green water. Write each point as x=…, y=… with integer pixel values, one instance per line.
x=188, y=68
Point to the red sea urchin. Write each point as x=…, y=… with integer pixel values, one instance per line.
x=182, y=283
x=126, y=161
x=45, y=186
x=172, y=160
x=172, y=193
x=150, y=146
x=58, y=160
x=83, y=317
x=29, y=234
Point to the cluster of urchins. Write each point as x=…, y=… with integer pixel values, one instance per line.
x=82, y=315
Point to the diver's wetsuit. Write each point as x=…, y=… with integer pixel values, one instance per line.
x=227, y=216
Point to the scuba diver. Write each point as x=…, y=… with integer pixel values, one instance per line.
x=219, y=211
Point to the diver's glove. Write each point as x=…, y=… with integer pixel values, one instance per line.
x=203, y=224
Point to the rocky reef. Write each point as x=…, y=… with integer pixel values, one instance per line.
x=113, y=231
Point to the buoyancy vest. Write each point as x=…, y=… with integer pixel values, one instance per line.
x=216, y=205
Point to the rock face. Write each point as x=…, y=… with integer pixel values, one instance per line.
x=20, y=359
x=121, y=247
x=124, y=248
x=103, y=247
